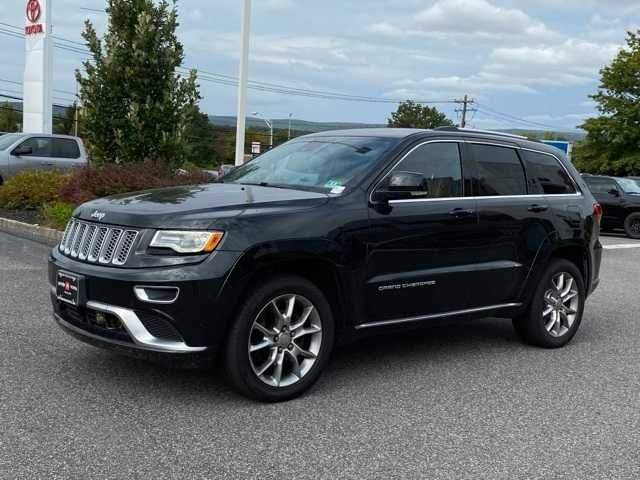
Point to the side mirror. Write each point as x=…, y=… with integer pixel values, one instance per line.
x=20, y=150
x=614, y=193
x=402, y=185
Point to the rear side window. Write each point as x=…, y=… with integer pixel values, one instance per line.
x=440, y=166
x=547, y=175
x=600, y=185
x=499, y=171
x=65, y=148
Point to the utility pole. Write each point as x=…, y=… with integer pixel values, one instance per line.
x=75, y=129
x=289, y=136
x=465, y=110
x=245, y=33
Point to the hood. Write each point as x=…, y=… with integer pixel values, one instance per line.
x=195, y=206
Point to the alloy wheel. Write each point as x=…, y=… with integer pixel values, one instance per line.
x=285, y=340
x=562, y=303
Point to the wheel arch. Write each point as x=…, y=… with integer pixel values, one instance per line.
x=261, y=263
x=575, y=252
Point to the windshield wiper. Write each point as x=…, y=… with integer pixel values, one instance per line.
x=266, y=184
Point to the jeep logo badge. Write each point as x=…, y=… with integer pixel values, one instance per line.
x=98, y=214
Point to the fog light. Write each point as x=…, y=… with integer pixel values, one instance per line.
x=151, y=294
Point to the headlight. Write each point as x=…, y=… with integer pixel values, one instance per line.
x=186, y=241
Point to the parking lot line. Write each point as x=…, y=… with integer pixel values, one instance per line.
x=621, y=246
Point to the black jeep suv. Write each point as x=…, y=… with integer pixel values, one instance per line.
x=620, y=200
x=327, y=238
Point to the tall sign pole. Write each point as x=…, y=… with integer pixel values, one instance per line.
x=37, y=106
x=245, y=34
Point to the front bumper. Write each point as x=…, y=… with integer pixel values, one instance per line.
x=114, y=315
x=131, y=325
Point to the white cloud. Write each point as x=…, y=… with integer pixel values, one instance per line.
x=478, y=17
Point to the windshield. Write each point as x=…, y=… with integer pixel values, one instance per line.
x=629, y=185
x=325, y=164
x=7, y=140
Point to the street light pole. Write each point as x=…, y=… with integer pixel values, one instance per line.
x=289, y=136
x=245, y=34
x=269, y=124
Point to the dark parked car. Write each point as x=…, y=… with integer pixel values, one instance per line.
x=620, y=200
x=326, y=239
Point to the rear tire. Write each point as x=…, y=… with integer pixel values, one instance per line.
x=632, y=225
x=281, y=340
x=556, y=310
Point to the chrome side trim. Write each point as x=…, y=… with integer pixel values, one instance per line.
x=141, y=294
x=139, y=334
x=491, y=197
x=434, y=316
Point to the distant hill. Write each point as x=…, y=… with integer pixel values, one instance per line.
x=283, y=124
x=572, y=136
x=313, y=127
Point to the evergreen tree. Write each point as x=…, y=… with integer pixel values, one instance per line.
x=612, y=145
x=135, y=105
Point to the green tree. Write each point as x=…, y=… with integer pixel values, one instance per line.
x=612, y=145
x=201, y=138
x=135, y=105
x=65, y=123
x=414, y=115
x=10, y=118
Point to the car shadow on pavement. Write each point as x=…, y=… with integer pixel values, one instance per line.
x=426, y=347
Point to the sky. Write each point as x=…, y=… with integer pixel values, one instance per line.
x=527, y=64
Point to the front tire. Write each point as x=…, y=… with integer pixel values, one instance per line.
x=556, y=310
x=632, y=225
x=281, y=340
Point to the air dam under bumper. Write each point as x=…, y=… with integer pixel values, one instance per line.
x=138, y=333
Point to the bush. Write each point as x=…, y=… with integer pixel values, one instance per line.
x=89, y=183
x=31, y=189
x=57, y=214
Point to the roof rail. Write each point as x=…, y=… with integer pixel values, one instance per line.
x=486, y=132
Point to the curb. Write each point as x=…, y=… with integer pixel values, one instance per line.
x=37, y=233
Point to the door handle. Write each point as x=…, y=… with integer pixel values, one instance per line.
x=535, y=208
x=461, y=212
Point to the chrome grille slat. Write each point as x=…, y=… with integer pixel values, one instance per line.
x=110, y=245
x=72, y=238
x=65, y=236
x=82, y=231
x=95, y=243
x=94, y=253
x=86, y=242
x=124, y=248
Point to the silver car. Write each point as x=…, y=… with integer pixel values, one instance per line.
x=32, y=151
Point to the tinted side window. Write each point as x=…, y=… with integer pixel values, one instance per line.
x=499, y=171
x=41, y=147
x=546, y=175
x=65, y=148
x=600, y=185
x=440, y=166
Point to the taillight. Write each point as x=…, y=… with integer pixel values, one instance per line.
x=597, y=211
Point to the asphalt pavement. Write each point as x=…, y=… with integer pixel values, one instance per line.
x=451, y=402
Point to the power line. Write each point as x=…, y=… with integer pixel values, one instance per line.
x=95, y=10
x=228, y=80
x=14, y=82
x=492, y=112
